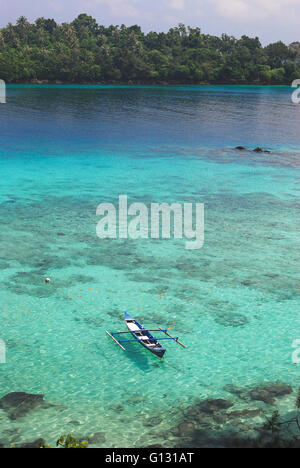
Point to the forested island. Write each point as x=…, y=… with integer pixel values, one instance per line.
x=85, y=52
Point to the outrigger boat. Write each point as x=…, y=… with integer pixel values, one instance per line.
x=143, y=336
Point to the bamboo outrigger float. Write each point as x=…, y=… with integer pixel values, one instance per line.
x=143, y=336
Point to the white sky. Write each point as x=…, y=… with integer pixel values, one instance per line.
x=271, y=20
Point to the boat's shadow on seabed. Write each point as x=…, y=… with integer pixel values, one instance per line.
x=147, y=363
x=141, y=359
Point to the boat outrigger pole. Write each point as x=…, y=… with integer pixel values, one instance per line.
x=171, y=337
x=143, y=336
x=116, y=341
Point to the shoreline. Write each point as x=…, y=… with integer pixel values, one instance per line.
x=130, y=83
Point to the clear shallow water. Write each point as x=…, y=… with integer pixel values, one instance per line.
x=235, y=302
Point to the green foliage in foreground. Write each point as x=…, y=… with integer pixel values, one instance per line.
x=278, y=432
x=84, y=51
x=68, y=442
x=279, y=429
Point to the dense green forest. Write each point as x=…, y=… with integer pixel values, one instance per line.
x=85, y=52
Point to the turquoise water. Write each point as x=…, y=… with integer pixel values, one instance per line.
x=234, y=303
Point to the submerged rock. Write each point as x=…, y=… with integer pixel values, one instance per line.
x=247, y=282
x=239, y=392
x=229, y=319
x=186, y=267
x=268, y=393
x=96, y=438
x=265, y=393
x=220, y=418
x=19, y=404
x=38, y=443
x=154, y=421
x=246, y=413
x=261, y=150
x=75, y=423
x=212, y=406
x=184, y=429
x=135, y=399
x=256, y=150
